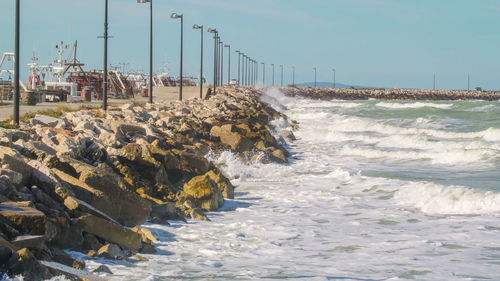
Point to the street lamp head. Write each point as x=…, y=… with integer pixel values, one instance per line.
x=175, y=16
x=237, y=51
x=143, y=1
x=227, y=46
x=212, y=30
x=197, y=26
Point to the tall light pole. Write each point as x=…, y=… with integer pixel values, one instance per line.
x=214, y=32
x=239, y=59
x=200, y=27
x=334, y=74
x=256, y=72
x=17, y=90
x=105, y=81
x=273, y=73
x=315, y=75
x=150, y=47
x=228, y=64
x=244, y=70
x=281, y=66
x=263, y=74
x=222, y=63
x=180, y=16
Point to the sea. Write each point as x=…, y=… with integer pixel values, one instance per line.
x=375, y=190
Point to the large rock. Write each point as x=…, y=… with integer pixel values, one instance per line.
x=205, y=193
x=222, y=183
x=123, y=129
x=106, y=192
x=12, y=160
x=24, y=263
x=232, y=136
x=111, y=232
x=46, y=121
x=24, y=217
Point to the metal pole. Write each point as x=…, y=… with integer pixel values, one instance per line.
x=16, y=64
x=105, y=82
x=151, y=52
x=222, y=63
x=215, y=61
x=315, y=75
x=263, y=74
x=334, y=78
x=243, y=77
x=182, y=56
x=281, y=75
x=239, y=58
x=256, y=72
x=273, y=73
x=201, y=67
x=229, y=65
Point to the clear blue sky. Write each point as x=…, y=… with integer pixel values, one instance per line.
x=386, y=43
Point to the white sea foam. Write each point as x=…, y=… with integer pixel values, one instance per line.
x=413, y=105
x=320, y=218
x=437, y=199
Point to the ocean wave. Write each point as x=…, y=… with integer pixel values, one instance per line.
x=353, y=124
x=413, y=105
x=432, y=198
x=445, y=157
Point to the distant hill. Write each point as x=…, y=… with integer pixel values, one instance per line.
x=329, y=85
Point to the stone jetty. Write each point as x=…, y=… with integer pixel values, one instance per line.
x=389, y=94
x=87, y=181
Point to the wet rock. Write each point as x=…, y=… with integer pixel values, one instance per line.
x=166, y=211
x=111, y=232
x=24, y=263
x=32, y=242
x=279, y=156
x=24, y=217
x=102, y=269
x=62, y=257
x=205, y=193
x=223, y=184
x=111, y=251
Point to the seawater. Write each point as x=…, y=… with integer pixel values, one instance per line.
x=375, y=190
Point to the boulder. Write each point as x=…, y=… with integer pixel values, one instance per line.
x=110, y=251
x=123, y=129
x=46, y=121
x=205, y=193
x=24, y=217
x=102, y=269
x=107, y=192
x=62, y=257
x=24, y=263
x=32, y=242
x=279, y=156
x=222, y=183
x=12, y=160
x=166, y=211
x=111, y=232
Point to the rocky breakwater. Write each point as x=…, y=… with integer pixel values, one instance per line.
x=389, y=94
x=86, y=181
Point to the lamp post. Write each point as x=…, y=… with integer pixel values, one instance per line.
x=315, y=75
x=221, y=77
x=150, y=47
x=180, y=16
x=214, y=31
x=334, y=74
x=281, y=75
x=243, y=69
x=105, y=81
x=256, y=72
x=200, y=27
x=239, y=56
x=16, y=64
x=228, y=64
x=263, y=74
x=273, y=73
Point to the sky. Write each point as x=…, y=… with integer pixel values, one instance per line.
x=379, y=43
